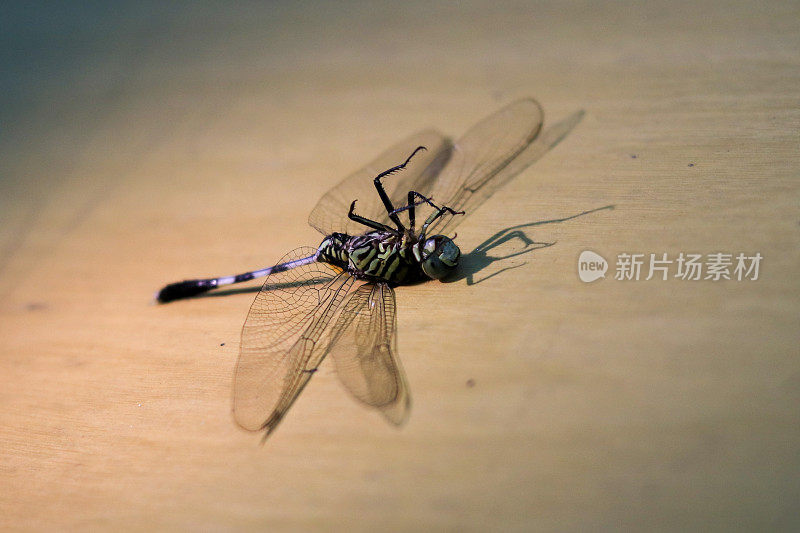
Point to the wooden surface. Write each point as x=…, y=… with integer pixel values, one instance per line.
x=142, y=145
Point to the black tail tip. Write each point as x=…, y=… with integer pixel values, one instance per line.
x=182, y=289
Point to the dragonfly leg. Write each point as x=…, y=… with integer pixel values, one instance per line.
x=367, y=222
x=411, y=206
x=413, y=203
x=435, y=215
x=387, y=202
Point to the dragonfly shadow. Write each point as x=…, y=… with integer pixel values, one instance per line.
x=259, y=287
x=510, y=242
x=308, y=308
x=229, y=292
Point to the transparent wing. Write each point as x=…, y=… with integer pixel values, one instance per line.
x=365, y=351
x=481, y=159
x=284, y=338
x=330, y=213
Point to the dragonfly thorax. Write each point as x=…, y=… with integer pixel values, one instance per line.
x=385, y=256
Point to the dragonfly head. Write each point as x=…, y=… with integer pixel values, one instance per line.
x=439, y=256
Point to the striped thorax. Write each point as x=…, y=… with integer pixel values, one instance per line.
x=384, y=256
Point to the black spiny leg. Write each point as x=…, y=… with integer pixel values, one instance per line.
x=412, y=205
x=412, y=210
x=367, y=222
x=387, y=203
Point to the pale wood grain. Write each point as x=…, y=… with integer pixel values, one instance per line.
x=143, y=147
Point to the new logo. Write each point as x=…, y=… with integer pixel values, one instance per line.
x=591, y=266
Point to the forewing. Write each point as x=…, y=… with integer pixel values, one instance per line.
x=330, y=213
x=481, y=160
x=284, y=338
x=365, y=351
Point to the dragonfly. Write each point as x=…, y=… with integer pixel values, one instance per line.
x=384, y=226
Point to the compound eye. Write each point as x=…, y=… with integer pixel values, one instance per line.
x=429, y=248
x=449, y=253
x=434, y=268
x=440, y=257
